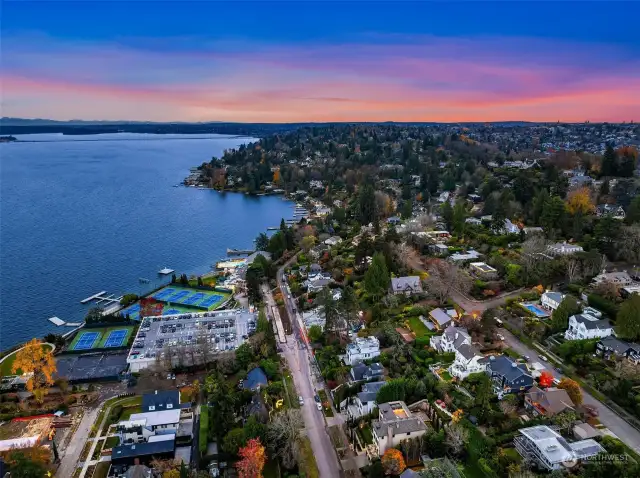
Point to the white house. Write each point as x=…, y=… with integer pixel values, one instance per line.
x=586, y=326
x=459, y=257
x=620, y=279
x=363, y=348
x=395, y=423
x=141, y=426
x=468, y=360
x=545, y=448
x=473, y=220
x=452, y=338
x=564, y=249
x=510, y=228
x=333, y=241
x=551, y=300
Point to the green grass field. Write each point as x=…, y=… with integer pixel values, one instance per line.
x=5, y=366
x=104, y=335
x=417, y=327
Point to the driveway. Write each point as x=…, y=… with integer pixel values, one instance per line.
x=607, y=417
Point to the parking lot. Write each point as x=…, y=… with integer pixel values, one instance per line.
x=192, y=335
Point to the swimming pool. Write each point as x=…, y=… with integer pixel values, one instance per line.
x=535, y=310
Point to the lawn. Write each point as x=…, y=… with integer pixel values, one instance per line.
x=309, y=464
x=446, y=376
x=5, y=366
x=124, y=402
x=417, y=327
x=111, y=442
x=365, y=435
x=102, y=469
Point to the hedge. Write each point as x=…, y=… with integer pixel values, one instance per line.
x=603, y=304
x=203, y=437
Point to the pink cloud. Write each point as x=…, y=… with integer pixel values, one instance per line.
x=441, y=80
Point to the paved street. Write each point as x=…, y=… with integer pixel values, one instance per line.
x=74, y=449
x=610, y=419
x=298, y=359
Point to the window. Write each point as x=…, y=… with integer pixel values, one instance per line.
x=152, y=408
x=169, y=405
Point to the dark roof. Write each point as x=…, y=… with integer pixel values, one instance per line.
x=619, y=347
x=255, y=378
x=142, y=449
x=468, y=351
x=93, y=366
x=506, y=367
x=440, y=316
x=591, y=324
x=360, y=370
x=160, y=399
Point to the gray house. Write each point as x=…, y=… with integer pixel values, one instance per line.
x=406, y=285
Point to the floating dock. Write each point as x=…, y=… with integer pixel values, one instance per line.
x=94, y=296
x=166, y=271
x=59, y=322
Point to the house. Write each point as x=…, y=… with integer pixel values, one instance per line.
x=394, y=220
x=440, y=318
x=363, y=348
x=317, y=251
x=459, y=258
x=361, y=371
x=627, y=291
x=256, y=379
x=482, y=270
x=452, y=338
x=532, y=230
x=314, y=317
x=365, y=401
x=468, y=360
x=620, y=279
x=474, y=198
x=546, y=449
x=395, y=423
x=508, y=376
x=408, y=285
x=564, y=249
x=162, y=447
x=611, y=347
x=161, y=400
x=473, y=220
x=547, y=402
x=586, y=326
x=509, y=228
x=333, y=241
x=140, y=427
x=438, y=236
x=318, y=282
x=439, y=249
x=611, y=210
x=551, y=300
x=322, y=211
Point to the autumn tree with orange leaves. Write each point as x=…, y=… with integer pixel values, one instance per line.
x=35, y=359
x=276, y=176
x=545, y=380
x=253, y=459
x=393, y=462
x=579, y=202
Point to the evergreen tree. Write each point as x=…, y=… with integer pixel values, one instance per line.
x=628, y=318
x=609, y=162
x=633, y=211
x=560, y=317
x=553, y=215
x=459, y=216
x=366, y=204
x=376, y=279
x=537, y=206
x=447, y=214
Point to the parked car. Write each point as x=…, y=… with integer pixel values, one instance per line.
x=319, y=405
x=542, y=357
x=301, y=400
x=591, y=410
x=317, y=398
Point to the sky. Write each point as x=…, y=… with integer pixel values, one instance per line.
x=304, y=61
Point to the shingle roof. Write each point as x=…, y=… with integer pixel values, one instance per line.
x=440, y=316
x=468, y=351
x=504, y=366
x=255, y=377
x=553, y=400
x=161, y=400
x=411, y=283
x=590, y=324
x=142, y=449
x=618, y=346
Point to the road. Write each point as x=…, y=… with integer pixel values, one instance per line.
x=72, y=453
x=607, y=417
x=298, y=359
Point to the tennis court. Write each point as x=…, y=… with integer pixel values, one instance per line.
x=172, y=311
x=86, y=340
x=178, y=296
x=116, y=338
x=164, y=294
x=193, y=299
x=211, y=300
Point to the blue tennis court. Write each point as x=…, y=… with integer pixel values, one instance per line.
x=164, y=293
x=171, y=312
x=86, y=340
x=116, y=338
x=133, y=311
x=178, y=296
x=192, y=299
x=211, y=300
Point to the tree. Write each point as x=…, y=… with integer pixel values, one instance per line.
x=24, y=465
x=545, y=380
x=244, y=355
x=407, y=209
x=393, y=462
x=283, y=434
x=446, y=211
x=456, y=438
x=253, y=460
x=128, y=299
x=459, y=216
x=376, y=279
x=573, y=390
x=315, y=333
x=483, y=394
x=565, y=419
x=366, y=204
x=307, y=243
x=262, y=242
x=392, y=391
x=509, y=404
x=233, y=441
x=579, y=202
x=553, y=214
x=609, y=165
x=633, y=212
x=628, y=318
x=560, y=317
x=172, y=473
x=445, y=277
x=38, y=360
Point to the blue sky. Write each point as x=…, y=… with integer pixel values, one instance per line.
x=198, y=60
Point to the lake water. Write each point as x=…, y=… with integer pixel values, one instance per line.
x=82, y=214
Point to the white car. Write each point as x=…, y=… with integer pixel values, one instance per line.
x=319, y=405
x=301, y=400
x=542, y=357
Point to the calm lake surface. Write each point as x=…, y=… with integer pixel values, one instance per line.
x=82, y=214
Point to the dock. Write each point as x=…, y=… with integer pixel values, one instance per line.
x=94, y=296
x=101, y=297
x=59, y=322
x=166, y=271
x=239, y=252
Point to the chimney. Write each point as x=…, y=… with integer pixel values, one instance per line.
x=389, y=437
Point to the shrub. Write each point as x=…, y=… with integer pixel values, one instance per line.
x=204, y=430
x=603, y=304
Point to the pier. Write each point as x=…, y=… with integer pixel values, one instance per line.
x=101, y=297
x=59, y=322
x=239, y=252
